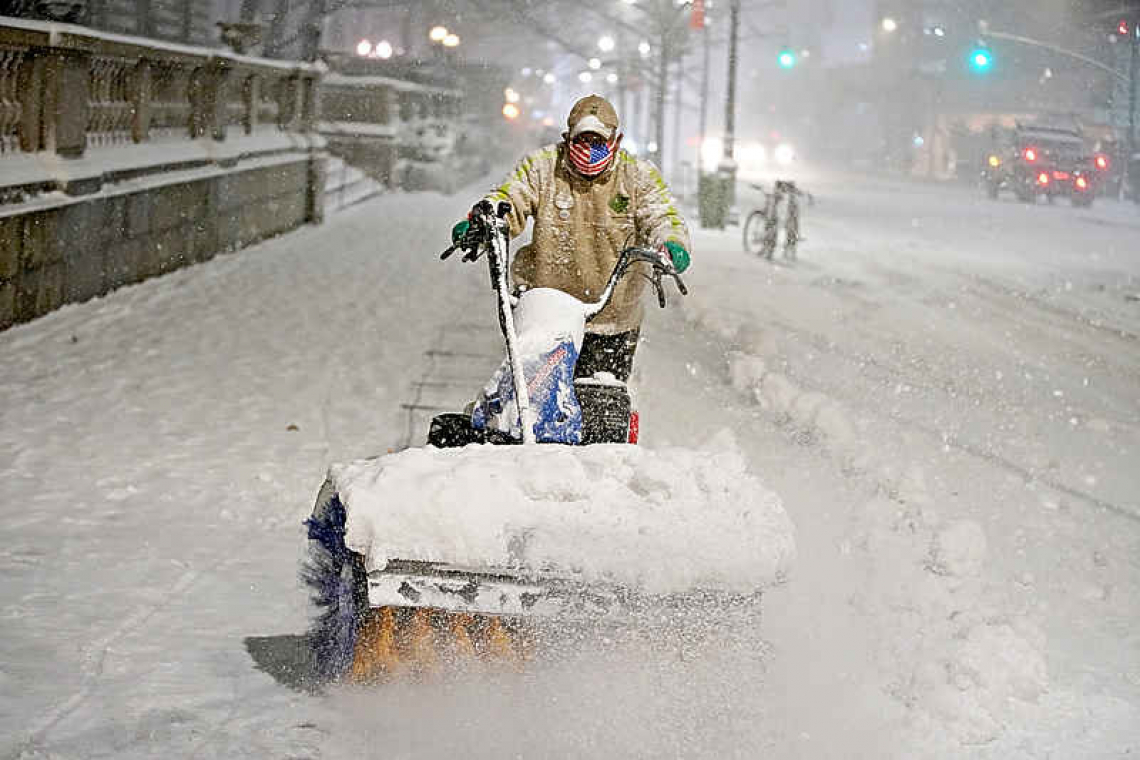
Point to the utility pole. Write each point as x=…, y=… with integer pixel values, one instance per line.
x=662, y=85
x=1133, y=69
x=678, y=94
x=728, y=162
x=704, y=98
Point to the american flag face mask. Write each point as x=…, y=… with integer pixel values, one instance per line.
x=592, y=158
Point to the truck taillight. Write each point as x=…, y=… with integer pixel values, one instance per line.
x=1030, y=154
x=1043, y=178
x=1101, y=161
x=1082, y=183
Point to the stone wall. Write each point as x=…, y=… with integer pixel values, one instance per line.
x=75, y=249
x=123, y=159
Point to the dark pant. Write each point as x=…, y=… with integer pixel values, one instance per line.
x=607, y=353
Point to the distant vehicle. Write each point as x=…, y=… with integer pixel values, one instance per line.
x=1033, y=161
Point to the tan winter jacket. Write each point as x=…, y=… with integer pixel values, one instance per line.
x=581, y=225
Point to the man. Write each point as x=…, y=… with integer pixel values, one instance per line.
x=589, y=199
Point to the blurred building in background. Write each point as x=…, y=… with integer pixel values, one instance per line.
x=944, y=74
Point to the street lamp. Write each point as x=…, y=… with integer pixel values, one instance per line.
x=606, y=44
x=889, y=24
x=595, y=63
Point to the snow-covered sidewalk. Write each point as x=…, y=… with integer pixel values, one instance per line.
x=967, y=581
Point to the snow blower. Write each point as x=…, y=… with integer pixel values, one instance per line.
x=451, y=553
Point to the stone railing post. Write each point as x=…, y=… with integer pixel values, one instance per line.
x=250, y=98
x=66, y=95
x=391, y=106
x=218, y=73
x=142, y=92
x=207, y=99
x=292, y=106
x=29, y=92
x=310, y=106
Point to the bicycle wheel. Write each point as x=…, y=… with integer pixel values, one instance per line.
x=754, y=232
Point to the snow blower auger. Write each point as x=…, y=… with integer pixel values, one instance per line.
x=451, y=555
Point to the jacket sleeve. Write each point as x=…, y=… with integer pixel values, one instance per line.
x=656, y=213
x=521, y=187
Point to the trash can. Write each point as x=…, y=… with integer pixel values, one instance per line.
x=714, y=197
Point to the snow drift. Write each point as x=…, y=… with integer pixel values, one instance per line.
x=662, y=521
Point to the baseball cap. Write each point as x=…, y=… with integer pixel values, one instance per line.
x=592, y=113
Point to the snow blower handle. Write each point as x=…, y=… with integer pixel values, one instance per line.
x=661, y=264
x=479, y=232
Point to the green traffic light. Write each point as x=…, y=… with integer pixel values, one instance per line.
x=787, y=59
x=981, y=60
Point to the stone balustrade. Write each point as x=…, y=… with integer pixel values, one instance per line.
x=68, y=90
x=123, y=158
x=372, y=121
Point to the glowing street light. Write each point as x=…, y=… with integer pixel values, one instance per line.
x=511, y=94
x=595, y=63
x=612, y=78
x=438, y=33
x=981, y=60
x=889, y=24
x=548, y=78
x=585, y=77
x=451, y=40
x=511, y=111
x=364, y=47
x=606, y=43
x=644, y=48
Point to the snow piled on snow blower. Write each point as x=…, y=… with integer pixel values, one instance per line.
x=662, y=521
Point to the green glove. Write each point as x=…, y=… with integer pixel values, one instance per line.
x=678, y=254
x=459, y=230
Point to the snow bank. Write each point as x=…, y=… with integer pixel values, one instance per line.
x=664, y=521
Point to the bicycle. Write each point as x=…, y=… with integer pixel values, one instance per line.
x=762, y=228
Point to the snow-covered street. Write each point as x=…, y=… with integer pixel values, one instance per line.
x=943, y=390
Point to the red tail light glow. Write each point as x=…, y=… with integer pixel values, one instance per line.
x=1043, y=178
x=1030, y=154
x=1082, y=183
x=1101, y=161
